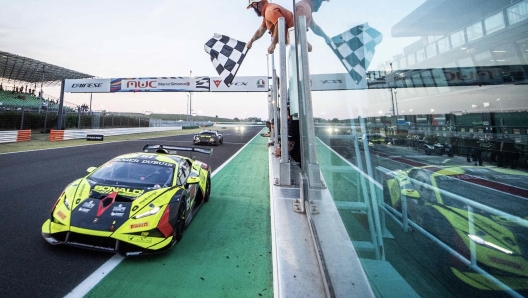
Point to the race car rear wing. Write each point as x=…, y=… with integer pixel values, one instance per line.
x=168, y=149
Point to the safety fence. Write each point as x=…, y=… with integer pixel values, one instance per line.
x=61, y=135
x=15, y=136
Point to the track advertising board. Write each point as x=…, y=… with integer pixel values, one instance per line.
x=87, y=86
x=160, y=84
x=334, y=81
x=241, y=84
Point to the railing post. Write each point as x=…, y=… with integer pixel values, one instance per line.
x=309, y=161
x=285, y=174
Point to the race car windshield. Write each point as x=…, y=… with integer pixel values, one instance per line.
x=135, y=173
x=208, y=133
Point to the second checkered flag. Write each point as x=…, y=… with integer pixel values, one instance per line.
x=355, y=49
x=227, y=55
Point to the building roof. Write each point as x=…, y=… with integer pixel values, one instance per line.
x=441, y=17
x=20, y=69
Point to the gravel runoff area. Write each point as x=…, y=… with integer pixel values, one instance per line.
x=41, y=141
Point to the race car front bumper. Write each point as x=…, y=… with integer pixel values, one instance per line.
x=128, y=245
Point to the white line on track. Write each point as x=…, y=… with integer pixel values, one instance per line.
x=84, y=287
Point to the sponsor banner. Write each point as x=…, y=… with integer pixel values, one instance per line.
x=94, y=137
x=87, y=85
x=160, y=84
x=335, y=81
x=240, y=84
x=443, y=77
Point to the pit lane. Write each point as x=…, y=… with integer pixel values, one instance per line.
x=32, y=181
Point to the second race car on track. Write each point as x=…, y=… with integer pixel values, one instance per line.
x=210, y=137
x=133, y=204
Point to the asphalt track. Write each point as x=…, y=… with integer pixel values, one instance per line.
x=31, y=182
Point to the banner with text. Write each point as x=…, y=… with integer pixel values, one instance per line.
x=333, y=81
x=87, y=86
x=160, y=84
x=241, y=84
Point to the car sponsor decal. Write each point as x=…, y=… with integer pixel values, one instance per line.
x=117, y=214
x=159, y=163
x=88, y=205
x=61, y=215
x=122, y=191
x=147, y=160
x=146, y=199
x=84, y=210
x=139, y=225
x=139, y=239
x=119, y=208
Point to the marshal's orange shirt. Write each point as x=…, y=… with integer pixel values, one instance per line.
x=271, y=13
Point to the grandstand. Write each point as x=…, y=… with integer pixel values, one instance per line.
x=10, y=100
x=21, y=71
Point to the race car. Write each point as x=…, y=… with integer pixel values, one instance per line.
x=134, y=204
x=437, y=199
x=210, y=137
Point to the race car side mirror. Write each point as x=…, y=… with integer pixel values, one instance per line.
x=193, y=180
x=91, y=169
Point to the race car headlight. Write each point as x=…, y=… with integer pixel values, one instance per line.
x=67, y=203
x=148, y=213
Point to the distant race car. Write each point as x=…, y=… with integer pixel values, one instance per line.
x=435, y=202
x=211, y=137
x=133, y=204
x=375, y=138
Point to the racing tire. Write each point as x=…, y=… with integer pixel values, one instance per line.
x=207, y=188
x=180, y=222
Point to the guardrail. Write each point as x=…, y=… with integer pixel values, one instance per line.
x=62, y=135
x=15, y=136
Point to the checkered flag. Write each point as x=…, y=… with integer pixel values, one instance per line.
x=355, y=49
x=227, y=55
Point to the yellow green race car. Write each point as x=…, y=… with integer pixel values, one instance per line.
x=480, y=213
x=133, y=204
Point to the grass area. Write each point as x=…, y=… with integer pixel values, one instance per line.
x=41, y=140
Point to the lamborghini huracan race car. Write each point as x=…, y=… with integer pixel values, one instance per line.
x=133, y=204
x=210, y=137
x=434, y=196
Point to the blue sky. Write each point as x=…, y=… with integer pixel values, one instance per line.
x=117, y=38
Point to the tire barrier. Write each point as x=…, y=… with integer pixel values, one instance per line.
x=15, y=136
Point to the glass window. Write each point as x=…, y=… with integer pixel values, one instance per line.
x=475, y=31
x=411, y=59
x=420, y=55
x=432, y=39
x=517, y=12
x=403, y=63
x=431, y=50
x=457, y=39
x=443, y=45
x=484, y=58
x=494, y=23
x=420, y=161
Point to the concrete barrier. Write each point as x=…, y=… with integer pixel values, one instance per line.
x=62, y=135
